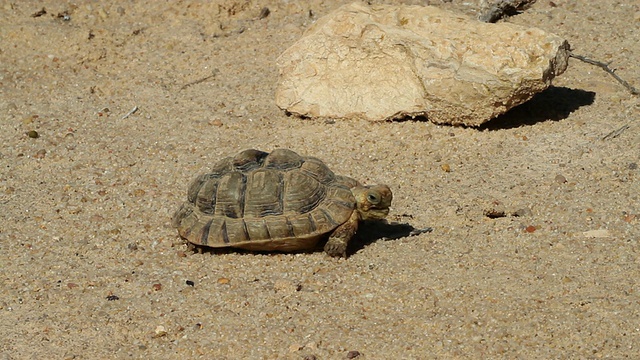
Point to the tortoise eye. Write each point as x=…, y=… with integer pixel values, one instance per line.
x=373, y=198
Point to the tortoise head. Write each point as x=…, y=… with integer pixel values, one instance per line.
x=372, y=202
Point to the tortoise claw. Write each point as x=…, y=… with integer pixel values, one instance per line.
x=336, y=248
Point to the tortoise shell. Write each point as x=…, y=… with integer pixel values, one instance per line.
x=265, y=201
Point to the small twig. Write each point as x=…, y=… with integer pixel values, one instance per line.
x=199, y=80
x=415, y=232
x=135, y=108
x=606, y=68
x=39, y=13
x=615, y=133
x=504, y=8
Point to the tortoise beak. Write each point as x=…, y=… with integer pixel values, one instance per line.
x=377, y=214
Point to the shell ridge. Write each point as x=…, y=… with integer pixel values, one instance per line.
x=214, y=198
x=225, y=234
x=329, y=217
x=290, y=231
x=303, y=193
x=343, y=204
x=242, y=193
x=204, y=235
x=312, y=223
x=319, y=196
x=205, y=199
x=281, y=192
x=266, y=226
x=245, y=230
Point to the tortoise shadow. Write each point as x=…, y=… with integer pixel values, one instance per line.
x=372, y=231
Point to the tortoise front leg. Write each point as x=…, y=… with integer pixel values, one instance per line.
x=339, y=239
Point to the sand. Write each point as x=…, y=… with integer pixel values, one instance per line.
x=91, y=267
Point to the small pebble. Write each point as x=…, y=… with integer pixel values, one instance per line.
x=160, y=331
x=295, y=348
x=600, y=233
x=96, y=218
x=494, y=213
x=560, y=179
x=445, y=167
x=223, y=280
x=33, y=134
x=530, y=229
x=353, y=354
x=157, y=287
x=40, y=154
x=190, y=283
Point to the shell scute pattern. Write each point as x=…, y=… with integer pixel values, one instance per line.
x=265, y=201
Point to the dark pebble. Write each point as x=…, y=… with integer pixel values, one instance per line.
x=264, y=13
x=353, y=354
x=494, y=213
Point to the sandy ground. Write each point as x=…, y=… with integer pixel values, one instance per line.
x=91, y=267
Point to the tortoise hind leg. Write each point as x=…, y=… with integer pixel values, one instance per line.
x=337, y=244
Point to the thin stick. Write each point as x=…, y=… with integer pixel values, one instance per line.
x=615, y=133
x=415, y=232
x=135, y=108
x=198, y=81
x=606, y=68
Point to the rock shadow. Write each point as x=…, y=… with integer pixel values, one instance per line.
x=554, y=104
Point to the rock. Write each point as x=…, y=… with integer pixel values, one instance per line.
x=384, y=62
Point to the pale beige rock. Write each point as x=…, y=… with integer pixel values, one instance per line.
x=384, y=62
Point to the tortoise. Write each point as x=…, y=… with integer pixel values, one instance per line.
x=278, y=201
